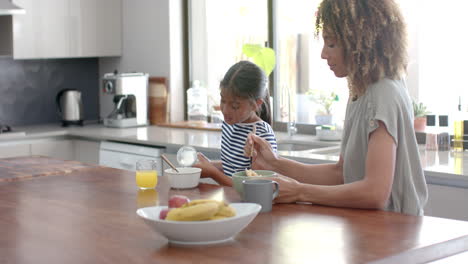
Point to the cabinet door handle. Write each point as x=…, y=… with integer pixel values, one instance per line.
x=127, y=164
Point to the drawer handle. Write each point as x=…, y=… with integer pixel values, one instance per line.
x=127, y=164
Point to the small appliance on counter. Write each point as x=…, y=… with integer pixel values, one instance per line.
x=70, y=107
x=6, y=132
x=123, y=99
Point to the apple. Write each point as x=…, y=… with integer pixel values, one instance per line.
x=163, y=213
x=177, y=201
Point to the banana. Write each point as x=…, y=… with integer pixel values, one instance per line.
x=201, y=209
x=226, y=210
x=197, y=212
x=201, y=201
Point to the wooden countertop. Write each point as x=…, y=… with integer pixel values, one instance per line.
x=87, y=215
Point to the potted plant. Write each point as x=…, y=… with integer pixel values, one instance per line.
x=325, y=101
x=420, y=119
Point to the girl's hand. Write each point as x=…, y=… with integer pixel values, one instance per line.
x=263, y=155
x=205, y=164
x=289, y=190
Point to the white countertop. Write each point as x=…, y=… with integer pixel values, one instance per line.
x=441, y=167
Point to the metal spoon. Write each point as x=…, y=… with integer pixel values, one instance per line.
x=169, y=162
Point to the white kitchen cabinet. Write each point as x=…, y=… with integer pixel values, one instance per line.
x=60, y=149
x=447, y=202
x=8, y=150
x=67, y=29
x=86, y=151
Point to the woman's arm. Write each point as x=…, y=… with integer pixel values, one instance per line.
x=372, y=192
x=319, y=174
x=265, y=158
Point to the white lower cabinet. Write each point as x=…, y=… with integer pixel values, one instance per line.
x=86, y=151
x=172, y=158
x=447, y=202
x=8, y=150
x=60, y=149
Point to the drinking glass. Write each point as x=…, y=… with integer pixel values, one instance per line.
x=146, y=174
x=187, y=156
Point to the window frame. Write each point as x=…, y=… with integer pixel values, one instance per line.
x=273, y=78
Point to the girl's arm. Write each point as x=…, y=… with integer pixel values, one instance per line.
x=218, y=164
x=371, y=192
x=212, y=170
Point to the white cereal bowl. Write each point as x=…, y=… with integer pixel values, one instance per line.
x=200, y=232
x=187, y=177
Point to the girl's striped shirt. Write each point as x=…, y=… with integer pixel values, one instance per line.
x=233, y=140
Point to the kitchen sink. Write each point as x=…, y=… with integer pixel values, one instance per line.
x=332, y=151
x=291, y=145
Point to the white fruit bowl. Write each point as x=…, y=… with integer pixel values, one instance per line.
x=200, y=232
x=187, y=177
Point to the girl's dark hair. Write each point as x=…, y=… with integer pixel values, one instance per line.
x=246, y=80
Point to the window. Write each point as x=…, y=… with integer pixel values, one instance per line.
x=300, y=68
x=219, y=28
x=440, y=54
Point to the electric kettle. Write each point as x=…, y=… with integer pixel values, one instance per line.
x=70, y=107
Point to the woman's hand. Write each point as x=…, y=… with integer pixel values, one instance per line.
x=289, y=190
x=263, y=156
x=208, y=169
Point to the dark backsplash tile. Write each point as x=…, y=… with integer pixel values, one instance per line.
x=28, y=88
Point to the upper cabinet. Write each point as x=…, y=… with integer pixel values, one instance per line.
x=67, y=29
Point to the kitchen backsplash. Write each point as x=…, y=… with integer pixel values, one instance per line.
x=28, y=88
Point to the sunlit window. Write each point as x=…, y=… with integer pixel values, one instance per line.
x=218, y=30
x=302, y=75
x=441, y=44
x=437, y=53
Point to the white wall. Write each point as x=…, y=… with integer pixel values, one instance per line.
x=152, y=43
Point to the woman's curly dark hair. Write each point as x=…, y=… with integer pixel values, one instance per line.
x=373, y=36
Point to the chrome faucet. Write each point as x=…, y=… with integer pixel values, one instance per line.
x=292, y=129
x=291, y=125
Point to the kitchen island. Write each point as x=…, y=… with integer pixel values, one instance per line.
x=81, y=213
x=446, y=172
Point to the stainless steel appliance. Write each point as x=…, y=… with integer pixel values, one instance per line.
x=70, y=107
x=123, y=100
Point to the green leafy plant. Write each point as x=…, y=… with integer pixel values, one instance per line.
x=420, y=110
x=264, y=57
x=324, y=99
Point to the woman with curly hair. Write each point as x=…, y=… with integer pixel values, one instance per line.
x=379, y=165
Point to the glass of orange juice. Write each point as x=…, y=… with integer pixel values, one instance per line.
x=146, y=174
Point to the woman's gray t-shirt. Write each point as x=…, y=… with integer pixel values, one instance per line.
x=387, y=101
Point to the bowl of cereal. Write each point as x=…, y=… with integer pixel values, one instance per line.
x=239, y=176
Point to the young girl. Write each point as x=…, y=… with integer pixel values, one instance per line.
x=246, y=109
